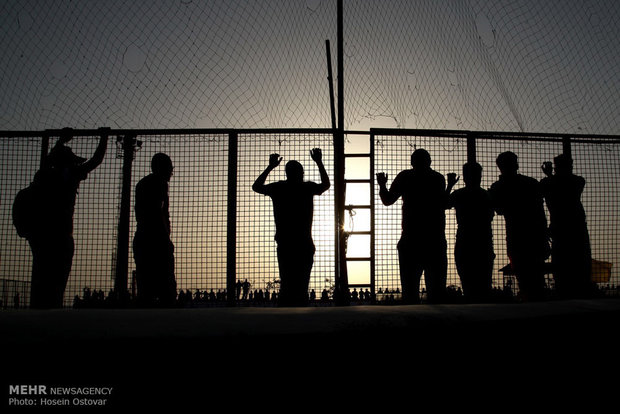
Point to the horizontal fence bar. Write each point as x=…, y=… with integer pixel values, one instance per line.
x=358, y=181
x=523, y=136
x=362, y=155
x=188, y=131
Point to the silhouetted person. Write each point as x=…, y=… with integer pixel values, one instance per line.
x=153, y=250
x=473, y=250
x=238, y=290
x=51, y=240
x=519, y=199
x=293, y=210
x=422, y=246
x=570, y=242
x=246, y=289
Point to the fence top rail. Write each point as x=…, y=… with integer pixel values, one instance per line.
x=531, y=136
x=174, y=131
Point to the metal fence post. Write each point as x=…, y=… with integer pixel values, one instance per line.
x=45, y=144
x=471, y=147
x=341, y=294
x=231, y=219
x=129, y=145
x=373, y=274
x=566, y=147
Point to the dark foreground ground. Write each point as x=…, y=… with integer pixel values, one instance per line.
x=528, y=355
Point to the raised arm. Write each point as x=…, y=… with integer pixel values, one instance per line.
x=97, y=157
x=452, y=180
x=317, y=156
x=259, y=184
x=388, y=197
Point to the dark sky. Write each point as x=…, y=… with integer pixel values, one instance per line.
x=528, y=65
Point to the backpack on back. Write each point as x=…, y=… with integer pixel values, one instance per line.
x=24, y=211
x=29, y=206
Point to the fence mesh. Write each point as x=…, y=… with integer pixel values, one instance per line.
x=95, y=223
x=594, y=161
x=393, y=155
x=20, y=161
x=199, y=206
x=598, y=164
x=531, y=156
x=256, y=248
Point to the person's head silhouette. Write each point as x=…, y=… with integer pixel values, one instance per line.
x=563, y=164
x=421, y=160
x=507, y=162
x=472, y=174
x=294, y=171
x=61, y=157
x=161, y=165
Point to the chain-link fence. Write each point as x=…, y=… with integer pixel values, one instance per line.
x=209, y=224
x=594, y=159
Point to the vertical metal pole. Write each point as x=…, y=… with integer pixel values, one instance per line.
x=340, y=31
x=471, y=148
x=122, y=248
x=45, y=144
x=342, y=284
x=231, y=219
x=339, y=291
x=330, y=79
x=372, y=215
x=566, y=147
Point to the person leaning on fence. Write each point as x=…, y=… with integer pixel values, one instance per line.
x=519, y=199
x=422, y=246
x=152, y=247
x=293, y=211
x=473, y=250
x=571, y=255
x=51, y=232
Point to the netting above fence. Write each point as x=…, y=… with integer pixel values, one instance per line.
x=464, y=64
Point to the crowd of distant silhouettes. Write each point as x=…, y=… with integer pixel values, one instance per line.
x=218, y=297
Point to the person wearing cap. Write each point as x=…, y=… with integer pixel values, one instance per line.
x=422, y=246
x=52, y=242
x=152, y=247
x=293, y=213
